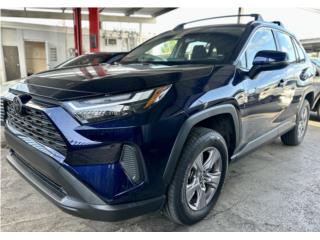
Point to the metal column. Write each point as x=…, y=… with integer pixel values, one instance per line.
x=94, y=29
x=240, y=12
x=77, y=30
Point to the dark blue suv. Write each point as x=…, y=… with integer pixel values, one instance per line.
x=157, y=130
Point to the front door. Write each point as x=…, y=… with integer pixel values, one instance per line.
x=11, y=62
x=295, y=73
x=263, y=93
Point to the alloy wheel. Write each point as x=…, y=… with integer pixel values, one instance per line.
x=203, y=178
x=303, y=121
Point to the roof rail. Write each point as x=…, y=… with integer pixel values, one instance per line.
x=278, y=23
x=257, y=17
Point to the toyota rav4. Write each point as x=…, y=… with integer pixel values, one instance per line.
x=157, y=130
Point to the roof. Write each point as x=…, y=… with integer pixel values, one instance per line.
x=131, y=15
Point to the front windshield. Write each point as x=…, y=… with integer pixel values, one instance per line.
x=214, y=45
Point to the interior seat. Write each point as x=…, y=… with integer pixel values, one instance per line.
x=198, y=52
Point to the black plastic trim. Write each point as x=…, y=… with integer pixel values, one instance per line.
x=264, y=139
x=94, y=155
x=315, y=102
x=308, y=90
x=186, y=128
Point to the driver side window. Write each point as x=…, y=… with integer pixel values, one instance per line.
x=262, y=40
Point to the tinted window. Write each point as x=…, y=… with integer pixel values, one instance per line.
x=163, y=50
x=300, y=51
x=262, y=40
x=214, y=45
x=286, y=45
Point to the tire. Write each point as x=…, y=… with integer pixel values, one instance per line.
x=318, y=111
x=295, y=136
x=210, y=145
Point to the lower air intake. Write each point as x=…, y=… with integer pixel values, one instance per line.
x=129, y=160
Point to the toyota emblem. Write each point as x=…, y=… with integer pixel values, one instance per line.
x=17, y=104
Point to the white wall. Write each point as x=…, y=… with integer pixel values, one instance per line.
x=14, y=34
x=16, y=37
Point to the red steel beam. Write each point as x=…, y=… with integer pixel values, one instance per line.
x=94, y=29
x=77, y=31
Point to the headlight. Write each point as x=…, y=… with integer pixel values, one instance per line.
x=98, y=109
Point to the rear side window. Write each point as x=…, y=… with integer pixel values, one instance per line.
x=299, y=50
x=286, y=45
x=262, y=40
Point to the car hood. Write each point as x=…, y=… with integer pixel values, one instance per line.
x=88, y=81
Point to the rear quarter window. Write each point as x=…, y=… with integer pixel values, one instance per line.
x=300, y=51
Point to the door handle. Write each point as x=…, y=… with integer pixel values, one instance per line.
x=281, y=83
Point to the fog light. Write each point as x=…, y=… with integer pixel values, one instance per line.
x=129, y=161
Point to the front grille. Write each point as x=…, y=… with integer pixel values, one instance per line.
x=2, y=113
x=36, y=125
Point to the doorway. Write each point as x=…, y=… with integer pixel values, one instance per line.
x=11, y=62
x=35, y=57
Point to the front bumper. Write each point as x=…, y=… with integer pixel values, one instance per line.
x=65, y=190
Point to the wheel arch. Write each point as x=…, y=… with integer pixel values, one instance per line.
x=189, y=124
x=316, y=102
x=309, y=96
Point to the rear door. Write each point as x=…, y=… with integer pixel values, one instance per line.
x=294, y=79
x=308, y=65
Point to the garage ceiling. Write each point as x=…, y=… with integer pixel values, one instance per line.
x=152, y=12
x=131, y=15
x=311, y=45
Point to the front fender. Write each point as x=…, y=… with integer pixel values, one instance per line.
x=186, y=128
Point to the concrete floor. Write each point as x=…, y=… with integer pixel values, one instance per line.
x=276, y=188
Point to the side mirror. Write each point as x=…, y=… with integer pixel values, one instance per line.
x=268, y=60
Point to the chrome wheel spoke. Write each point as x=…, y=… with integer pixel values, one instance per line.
x=201, y=201
x=199, y=163
x=305, y=115
x=213, y=179
x=191, y=190
x=212, y=159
